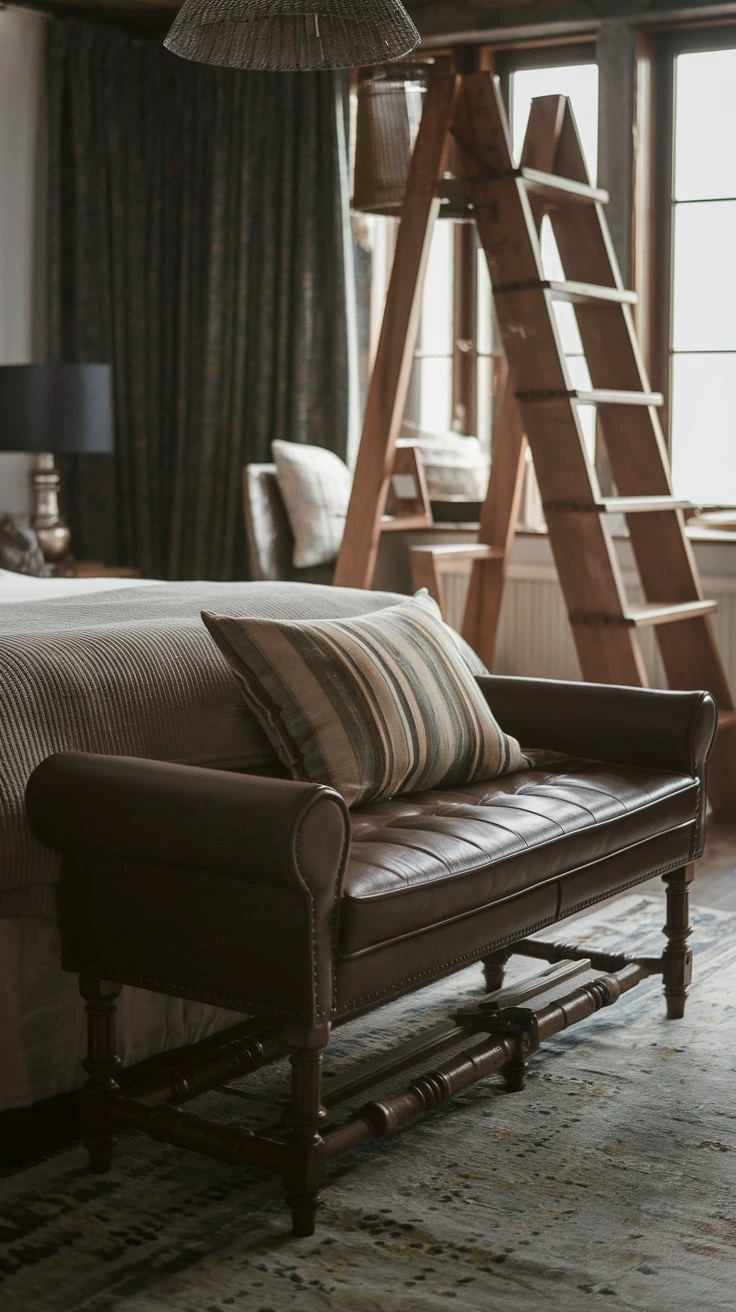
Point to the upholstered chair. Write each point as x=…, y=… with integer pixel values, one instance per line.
x=268, y=532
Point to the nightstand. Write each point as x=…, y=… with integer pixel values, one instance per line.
x=94, y=569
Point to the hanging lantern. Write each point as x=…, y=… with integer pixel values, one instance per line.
x=292, y=35
x=389, y=111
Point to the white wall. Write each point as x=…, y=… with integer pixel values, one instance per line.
x=22, y=274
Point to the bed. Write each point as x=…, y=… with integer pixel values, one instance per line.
x=124, y=667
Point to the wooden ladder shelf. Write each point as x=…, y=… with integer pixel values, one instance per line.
x=540, y=407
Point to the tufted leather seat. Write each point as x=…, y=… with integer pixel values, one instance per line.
x=421, y=861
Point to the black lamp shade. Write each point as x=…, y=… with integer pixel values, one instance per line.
x=62, y=408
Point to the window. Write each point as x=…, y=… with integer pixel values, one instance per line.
x=442, y=393
x=702, y=292
x=429, y=405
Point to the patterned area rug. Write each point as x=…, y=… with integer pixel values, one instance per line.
x=609, y=1183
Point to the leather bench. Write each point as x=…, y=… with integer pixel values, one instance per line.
x=269, y=897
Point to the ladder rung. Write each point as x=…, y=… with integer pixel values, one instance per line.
x=463, y=551
x=658, y=612
x=598, y=396
x=551, y=186
x=577, y=293
x=581, y=293
x=447, y=558
x=399, y=523
x=617, y=506
x=607, y=396
x=548, y=185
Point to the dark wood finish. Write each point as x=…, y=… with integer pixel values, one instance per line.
x=494, y=968
x=677, y=959
x=225, y=1143
x=464, y=358
x=27, y=1134
x=611, y=961
x=443, y=22
x=615, y=55
x=307, y=1159
x=233, y=1057
x=447, y=1033
x=102, y=1065
x=461, y=1072
x=503, y=1030
x=30, y=1133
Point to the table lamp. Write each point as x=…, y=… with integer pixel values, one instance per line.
x=54, y=409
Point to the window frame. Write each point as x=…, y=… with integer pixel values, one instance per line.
x=549, y=54
x=667, y=45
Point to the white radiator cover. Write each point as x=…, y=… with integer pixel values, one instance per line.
x=534, y=635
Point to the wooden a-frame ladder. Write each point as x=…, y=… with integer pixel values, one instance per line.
x=540, y=406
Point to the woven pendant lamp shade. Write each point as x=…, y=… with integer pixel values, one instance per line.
x=389, y=112
x=292, y=35
x=390, y=104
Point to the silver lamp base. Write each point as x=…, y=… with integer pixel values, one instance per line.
x=51, y=528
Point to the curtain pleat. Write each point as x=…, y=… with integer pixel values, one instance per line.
x=197, y=243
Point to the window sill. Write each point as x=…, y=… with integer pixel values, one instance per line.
x=458, y=516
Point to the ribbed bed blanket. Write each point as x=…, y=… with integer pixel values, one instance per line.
x=132, y=673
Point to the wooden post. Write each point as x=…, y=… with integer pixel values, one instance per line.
x=677, y=959
x=390, y=378
x=102, y=1065
x=307, y=1161
x=494, y=967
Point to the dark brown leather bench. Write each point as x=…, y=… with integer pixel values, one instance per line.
x=269, y=897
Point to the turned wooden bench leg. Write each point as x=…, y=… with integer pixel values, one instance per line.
x=307, y=1164
x=102, y=1065
x=494, y=967
x=677, y=959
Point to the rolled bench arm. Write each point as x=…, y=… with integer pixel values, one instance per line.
x=270, y=831
x=656, y=729
x=156, y=856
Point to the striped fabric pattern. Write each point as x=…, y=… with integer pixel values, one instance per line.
x=374, y=706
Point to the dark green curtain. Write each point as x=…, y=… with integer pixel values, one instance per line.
x=198, y=222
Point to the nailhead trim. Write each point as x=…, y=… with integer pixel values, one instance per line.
x=469, y=957
x=239, y=1003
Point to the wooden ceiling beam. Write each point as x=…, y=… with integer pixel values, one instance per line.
x=448, y=22
x=451, y=22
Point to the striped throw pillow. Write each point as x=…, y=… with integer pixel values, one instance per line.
x=374, y=705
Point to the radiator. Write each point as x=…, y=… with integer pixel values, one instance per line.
x=534, y=636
